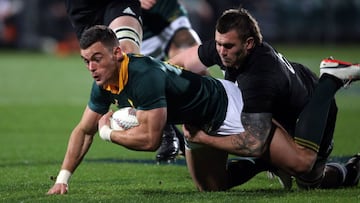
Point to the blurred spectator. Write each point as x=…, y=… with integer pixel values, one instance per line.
x=204, y=13
x=43, y=25
x=202, y=17
x=56, y=30
x=9, y=10
x=320, y=21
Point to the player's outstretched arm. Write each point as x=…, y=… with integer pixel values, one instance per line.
x=251, y=143
x=283, y=151
x=242, y=144
x=78, y=145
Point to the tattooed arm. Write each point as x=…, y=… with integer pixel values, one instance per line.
x=252, y=142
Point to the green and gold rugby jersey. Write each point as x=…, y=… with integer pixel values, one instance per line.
x=189, y=98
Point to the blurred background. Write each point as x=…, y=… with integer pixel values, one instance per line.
x=43, y=24
x=43, y=94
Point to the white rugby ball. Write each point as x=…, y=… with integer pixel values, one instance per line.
x=123, y=119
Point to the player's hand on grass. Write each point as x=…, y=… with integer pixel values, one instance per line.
x=58, y=188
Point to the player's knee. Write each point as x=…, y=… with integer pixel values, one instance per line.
x=129, y=46
x=301, y=168
x=182, y=39
x=302, y=165
x=258, y=148
x=185, y=38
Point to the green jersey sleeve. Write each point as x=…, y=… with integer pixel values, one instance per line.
x=100, y=99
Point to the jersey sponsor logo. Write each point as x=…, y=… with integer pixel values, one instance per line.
x=285, y=62
x=116, y=103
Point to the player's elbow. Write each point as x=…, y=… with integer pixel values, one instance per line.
x=251, y=151
x=149, y=148
x=248, y=145
x=258, y=149
x=261, y=149
x=151, y=145
x=152, y=148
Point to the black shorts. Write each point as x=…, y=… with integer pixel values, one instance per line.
x=86, y=13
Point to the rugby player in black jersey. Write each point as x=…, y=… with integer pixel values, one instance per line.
x=273, y=87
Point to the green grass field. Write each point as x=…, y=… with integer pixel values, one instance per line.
x=42, y=98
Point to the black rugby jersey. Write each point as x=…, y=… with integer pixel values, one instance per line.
x=268, y=82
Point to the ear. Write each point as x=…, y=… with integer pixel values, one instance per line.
x=250, y=42
x=118, y=53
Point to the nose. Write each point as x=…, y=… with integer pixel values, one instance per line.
x=222, y=51
x=91, y=66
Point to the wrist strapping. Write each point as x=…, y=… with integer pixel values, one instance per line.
x=63, y=177
x=105, y=133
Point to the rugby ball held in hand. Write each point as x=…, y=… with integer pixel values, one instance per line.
x=123, y=119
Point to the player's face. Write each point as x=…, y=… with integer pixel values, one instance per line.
x=231, y=50
x=101, y=63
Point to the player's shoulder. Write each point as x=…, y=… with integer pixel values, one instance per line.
x=264, y=51
x=139, y=59
x=264, y=56
x=141, y=64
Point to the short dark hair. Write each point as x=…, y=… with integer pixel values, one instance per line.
x=242, y=22
x=98, y=33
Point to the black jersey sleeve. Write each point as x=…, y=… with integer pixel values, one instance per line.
x=208, y=54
